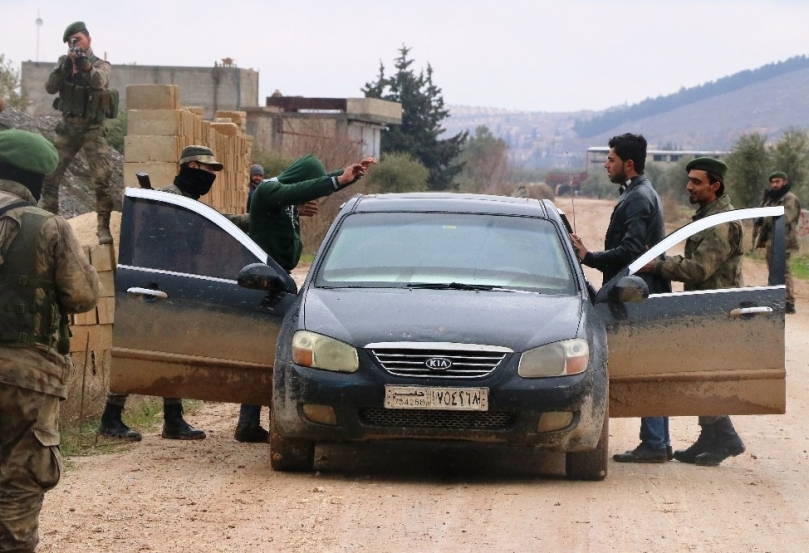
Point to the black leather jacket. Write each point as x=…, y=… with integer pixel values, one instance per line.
x=636, y=224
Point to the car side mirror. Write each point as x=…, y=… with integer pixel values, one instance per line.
x=629, y=289
x=258, y=276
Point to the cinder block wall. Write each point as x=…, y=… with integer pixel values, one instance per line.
x=212, y=88
x=158, y=129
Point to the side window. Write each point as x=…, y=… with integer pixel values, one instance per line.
x=172, y=238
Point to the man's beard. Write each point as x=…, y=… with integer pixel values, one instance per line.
x=618, y=178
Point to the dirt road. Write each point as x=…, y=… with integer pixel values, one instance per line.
x=219, y=495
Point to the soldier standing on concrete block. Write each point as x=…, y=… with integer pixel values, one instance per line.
x=45, y=276
x=275, y=209
x=198, y=168
x=780, y=194
x=712, y=260
x=81, y=79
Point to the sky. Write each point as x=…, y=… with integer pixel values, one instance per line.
x=522, y=55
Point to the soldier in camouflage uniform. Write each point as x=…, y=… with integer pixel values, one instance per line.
x=45, y=276
x=197, y=174
x=712, y=260
x=781, y=195
x=81, y=79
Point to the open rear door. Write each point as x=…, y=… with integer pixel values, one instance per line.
x=712, y=352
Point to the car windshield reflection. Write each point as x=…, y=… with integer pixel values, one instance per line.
x=447, y=251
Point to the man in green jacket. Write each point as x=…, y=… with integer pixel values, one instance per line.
x=712, y=260
x=45, y=276
x=275, y=226
x=780, y=194
x=82, y=81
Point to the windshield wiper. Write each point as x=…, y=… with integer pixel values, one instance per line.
x=453, y=286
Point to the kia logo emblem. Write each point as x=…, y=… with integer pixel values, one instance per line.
x=438, y=363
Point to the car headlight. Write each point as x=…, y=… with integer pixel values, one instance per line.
x=557, y=359
x=321, y=352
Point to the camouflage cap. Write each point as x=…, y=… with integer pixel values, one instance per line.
x=74, y=28
x=709, y=165
x=28, y=151
x=200, y=154
x=777, y=175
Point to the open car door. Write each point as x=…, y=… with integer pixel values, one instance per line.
x=709, y=352
x=183, y=326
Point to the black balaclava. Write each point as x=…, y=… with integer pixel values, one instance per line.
x=32, y=181
x=194, y=182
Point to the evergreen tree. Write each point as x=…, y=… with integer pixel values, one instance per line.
x=748, y=168
x=484, y=158
x=791, y=155
x=422, y=113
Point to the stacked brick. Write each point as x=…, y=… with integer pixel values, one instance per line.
x=91, y=343
x=158, y=129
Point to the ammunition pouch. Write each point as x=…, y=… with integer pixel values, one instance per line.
x=80, y=100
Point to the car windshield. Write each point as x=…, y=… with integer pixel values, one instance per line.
x=447, y=250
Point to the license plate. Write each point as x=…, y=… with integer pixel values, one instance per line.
x=430, y=397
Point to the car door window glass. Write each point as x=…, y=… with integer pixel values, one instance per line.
x=400, y=249
x=172, y=238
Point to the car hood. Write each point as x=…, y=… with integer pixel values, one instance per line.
x=518, y=321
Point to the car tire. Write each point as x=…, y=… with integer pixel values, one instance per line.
x=290, y=455
x=590, y=465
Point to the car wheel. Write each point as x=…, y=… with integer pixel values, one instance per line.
x=290, y=455
x=590, y=465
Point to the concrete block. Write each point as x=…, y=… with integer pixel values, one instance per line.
x=374, y=110
x=152, y=96
x=102, y=257
x=107, y=284
x=140, y=148
x=227, y=129
x=160, y=174
x=106, y=310
x=150, y=122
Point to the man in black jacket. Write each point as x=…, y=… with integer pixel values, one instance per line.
x=636, y=225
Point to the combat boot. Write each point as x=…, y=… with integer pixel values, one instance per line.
x=790, y=308
x=104, y=234
x=726, y=443
x=706, y=438
x=175, y=427
x=250, y=432
x=112, y=426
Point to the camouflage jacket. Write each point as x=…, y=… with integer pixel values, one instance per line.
x=713, y=257
x=792, y=216
x=98, y=77
x=60, y=258
x=241, y=221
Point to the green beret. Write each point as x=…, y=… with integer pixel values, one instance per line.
x=778, y=175
x=74, y=28
x=709, y=165
x=200, y=154
x=28, y=151
x=302, y=169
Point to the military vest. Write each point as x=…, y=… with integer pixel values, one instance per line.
x=29, y=311
x=81, y=100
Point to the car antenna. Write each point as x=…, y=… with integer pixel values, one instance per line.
x=572, y=192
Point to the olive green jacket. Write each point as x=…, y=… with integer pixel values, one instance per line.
x=792, y=216
x=60, y=258
x=713, y=257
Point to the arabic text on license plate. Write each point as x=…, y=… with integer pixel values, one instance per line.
x=428, y=397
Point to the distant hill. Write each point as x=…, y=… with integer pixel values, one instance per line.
x=768, y=100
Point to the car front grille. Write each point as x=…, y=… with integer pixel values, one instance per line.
x=463, y=420
x=439, y=362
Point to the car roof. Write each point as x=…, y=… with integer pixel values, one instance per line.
x=447, y=202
